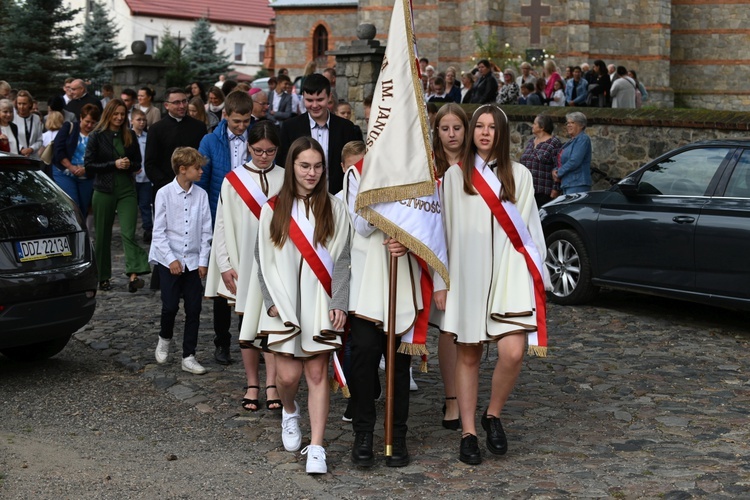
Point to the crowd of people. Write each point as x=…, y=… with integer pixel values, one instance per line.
x=601, y=86
x=247, y=197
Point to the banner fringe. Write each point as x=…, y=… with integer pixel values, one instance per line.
x=537, y=350
x=412, y=349
x=394, y=193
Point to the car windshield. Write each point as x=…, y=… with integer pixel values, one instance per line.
x=686, y=174
x=25, y=195
x=21, y=187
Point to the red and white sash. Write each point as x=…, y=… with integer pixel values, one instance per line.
x=248, y=189
x=507, y=215
x=301, y=233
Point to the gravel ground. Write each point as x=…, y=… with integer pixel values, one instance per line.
x=639, y=398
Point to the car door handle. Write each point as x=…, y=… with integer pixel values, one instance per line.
x=683, y=219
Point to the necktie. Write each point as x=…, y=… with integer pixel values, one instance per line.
x=233, y=137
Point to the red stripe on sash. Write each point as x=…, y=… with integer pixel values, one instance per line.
x=306, y=249
x=238, y=186
x=498, y=210
x=426, y=285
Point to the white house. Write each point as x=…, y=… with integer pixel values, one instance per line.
x=241, y=26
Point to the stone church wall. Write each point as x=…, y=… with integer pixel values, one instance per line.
x=623, y=140
x=688, y=53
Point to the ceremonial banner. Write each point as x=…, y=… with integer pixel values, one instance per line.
x=397, y=191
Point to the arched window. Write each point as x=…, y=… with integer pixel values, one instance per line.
x=320, y=43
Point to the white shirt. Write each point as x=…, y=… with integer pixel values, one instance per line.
x=321, y=134
x=141, y=176
x=182, y=227
x=237, y=148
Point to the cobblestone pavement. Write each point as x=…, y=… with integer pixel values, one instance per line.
x=639, y=397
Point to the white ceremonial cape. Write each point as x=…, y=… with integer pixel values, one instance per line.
x=491, y=291
x=369, y=286
x=303, y=327
x=235, y=231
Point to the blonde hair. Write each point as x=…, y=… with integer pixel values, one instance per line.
x=54, y=120
x=186, y=157
x=352, y=148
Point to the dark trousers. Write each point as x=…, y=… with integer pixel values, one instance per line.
x=368, y=342
x=143, y=190
x=188, y=285
x=223, y=322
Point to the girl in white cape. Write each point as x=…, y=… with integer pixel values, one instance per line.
x=232, y=271
x=492, y=296
x=303, y=256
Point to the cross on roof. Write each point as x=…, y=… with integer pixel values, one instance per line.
x=536, y=10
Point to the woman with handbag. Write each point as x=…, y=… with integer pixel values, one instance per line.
x=67, y=159
x=113, y=155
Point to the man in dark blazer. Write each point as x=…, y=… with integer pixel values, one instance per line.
x=280, y=101
x=331, y=131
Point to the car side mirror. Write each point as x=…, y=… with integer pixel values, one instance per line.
x=628, y=186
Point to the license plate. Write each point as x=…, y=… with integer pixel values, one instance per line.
x=43, y=248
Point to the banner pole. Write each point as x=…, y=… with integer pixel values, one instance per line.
x=390, y=357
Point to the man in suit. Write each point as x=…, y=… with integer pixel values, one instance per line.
x=280, y=101
x=331, y=131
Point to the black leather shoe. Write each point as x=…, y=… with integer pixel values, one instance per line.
x=221, y=355
x=399, y=454
x=497, y=443
x=470, y=453
x=362, y=454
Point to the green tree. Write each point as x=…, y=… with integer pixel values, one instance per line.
x=97, y=47
x=206, y=62
x=35, y=39
x=169, y=52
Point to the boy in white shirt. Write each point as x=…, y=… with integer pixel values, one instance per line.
x=180, y=249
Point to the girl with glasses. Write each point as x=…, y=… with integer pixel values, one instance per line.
x=303, y=254
x=231, y=272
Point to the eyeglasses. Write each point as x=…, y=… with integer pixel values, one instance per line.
x=177, y=103
x=262, y=103
x=306, y=167
x=266, y=152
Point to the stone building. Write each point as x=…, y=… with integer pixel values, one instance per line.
x=687, y=52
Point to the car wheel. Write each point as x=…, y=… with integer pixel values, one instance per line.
x=569, y=269
x=36, y=352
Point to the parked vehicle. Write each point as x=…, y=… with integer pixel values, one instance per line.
x=47, y=272
x=261, y=83
x=677, y=227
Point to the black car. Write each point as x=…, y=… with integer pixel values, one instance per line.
x=677, y=227
x=47, y=271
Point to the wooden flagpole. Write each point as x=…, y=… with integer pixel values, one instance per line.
x=390, y=357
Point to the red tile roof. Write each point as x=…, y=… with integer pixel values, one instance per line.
x=243, y=12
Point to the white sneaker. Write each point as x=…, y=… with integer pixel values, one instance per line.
x=189, y=364
x=382, y=363
x=412, y=385
x=316, y=459
x=291, y=436
x=162, y=350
